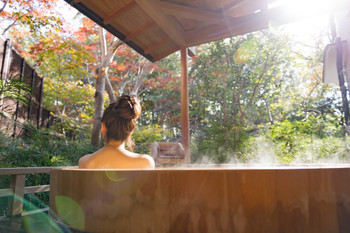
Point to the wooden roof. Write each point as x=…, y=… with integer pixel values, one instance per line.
x=157, y=28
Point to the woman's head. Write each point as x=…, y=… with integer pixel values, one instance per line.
x=120, y=119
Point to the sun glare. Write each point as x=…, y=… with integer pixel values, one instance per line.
x=313, y=15
x=307, y=8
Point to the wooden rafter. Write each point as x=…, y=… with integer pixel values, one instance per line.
x=108, y=18
x=191, y=12
x=217, y=32
x=245, y=8
x=156, y=45
x=166, y=22
x=233, y=5
x=139, y=30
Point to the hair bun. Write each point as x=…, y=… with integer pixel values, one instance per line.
x=128, y=107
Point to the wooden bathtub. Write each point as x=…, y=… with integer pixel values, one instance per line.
x=213, y=199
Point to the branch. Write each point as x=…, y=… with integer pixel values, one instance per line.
x=6, y=29
x=109, y=88
x=6, y=1
x=112, y=49
x=257, y=85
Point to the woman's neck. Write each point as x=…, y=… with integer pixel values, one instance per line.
x=116, y=144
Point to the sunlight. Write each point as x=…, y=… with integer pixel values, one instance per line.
x=313, y=15
x=304, y=8
x=308, y=8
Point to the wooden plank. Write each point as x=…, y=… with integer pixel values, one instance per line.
x=15, y=202
x=233, y=5
x=118, y=12
x=184, y=106
x=167, y=23
x=37, y=189
x=30, y=189
x=167, y=52
x=192, y=13
x=139, y=30
x=25, y=170
x=156, y=45
x=6, y=192
x=246, y=7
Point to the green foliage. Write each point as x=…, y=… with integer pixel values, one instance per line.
x=307, y=141
x=14, y=89
x=72, y=104
x=38, y=148
x=143, y=136
x=41, y=148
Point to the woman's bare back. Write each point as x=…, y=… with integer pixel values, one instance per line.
x=111, y=157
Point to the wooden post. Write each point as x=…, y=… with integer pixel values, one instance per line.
x=184, y=106
x=343, y=90
x=15, y=202
x=6, y=59
x=40, y=107
x=19, y=92
x=31, y=95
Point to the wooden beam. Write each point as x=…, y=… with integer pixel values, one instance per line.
x=108, y=18
x=6, y=192
x=139, y=30
x=167, y=23
x=232, y=5
x=26, y=170
x=156, y=45
x=185, y=132
x=15, y=202
x=191, y=12
x=37, y=189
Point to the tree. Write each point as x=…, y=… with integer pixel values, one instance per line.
x=26, y=18
x=228, y=81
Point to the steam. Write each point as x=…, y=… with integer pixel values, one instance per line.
x=327, y=151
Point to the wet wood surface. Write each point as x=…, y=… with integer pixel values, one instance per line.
x=199, y=200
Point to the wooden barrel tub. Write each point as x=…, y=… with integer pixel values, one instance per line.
x=212, y=199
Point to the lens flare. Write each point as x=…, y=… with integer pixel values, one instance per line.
x=120, y=183
x=115, y=176
x=245, y=52
x=70, y=212
x=40, y=222
x=35, y=219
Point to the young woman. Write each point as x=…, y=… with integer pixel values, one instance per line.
x=118, y=123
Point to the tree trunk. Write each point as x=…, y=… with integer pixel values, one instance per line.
x=99, y=94
x=109, y=88
x=102, y=83
x=342, y=84
x=268, y=111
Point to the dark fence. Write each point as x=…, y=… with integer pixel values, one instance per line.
x=14, y=65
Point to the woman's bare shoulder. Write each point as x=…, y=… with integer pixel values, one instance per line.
x=86, y=160
x=83, y=161
x=147, y=161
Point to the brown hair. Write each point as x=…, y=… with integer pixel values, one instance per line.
x=120, y=119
